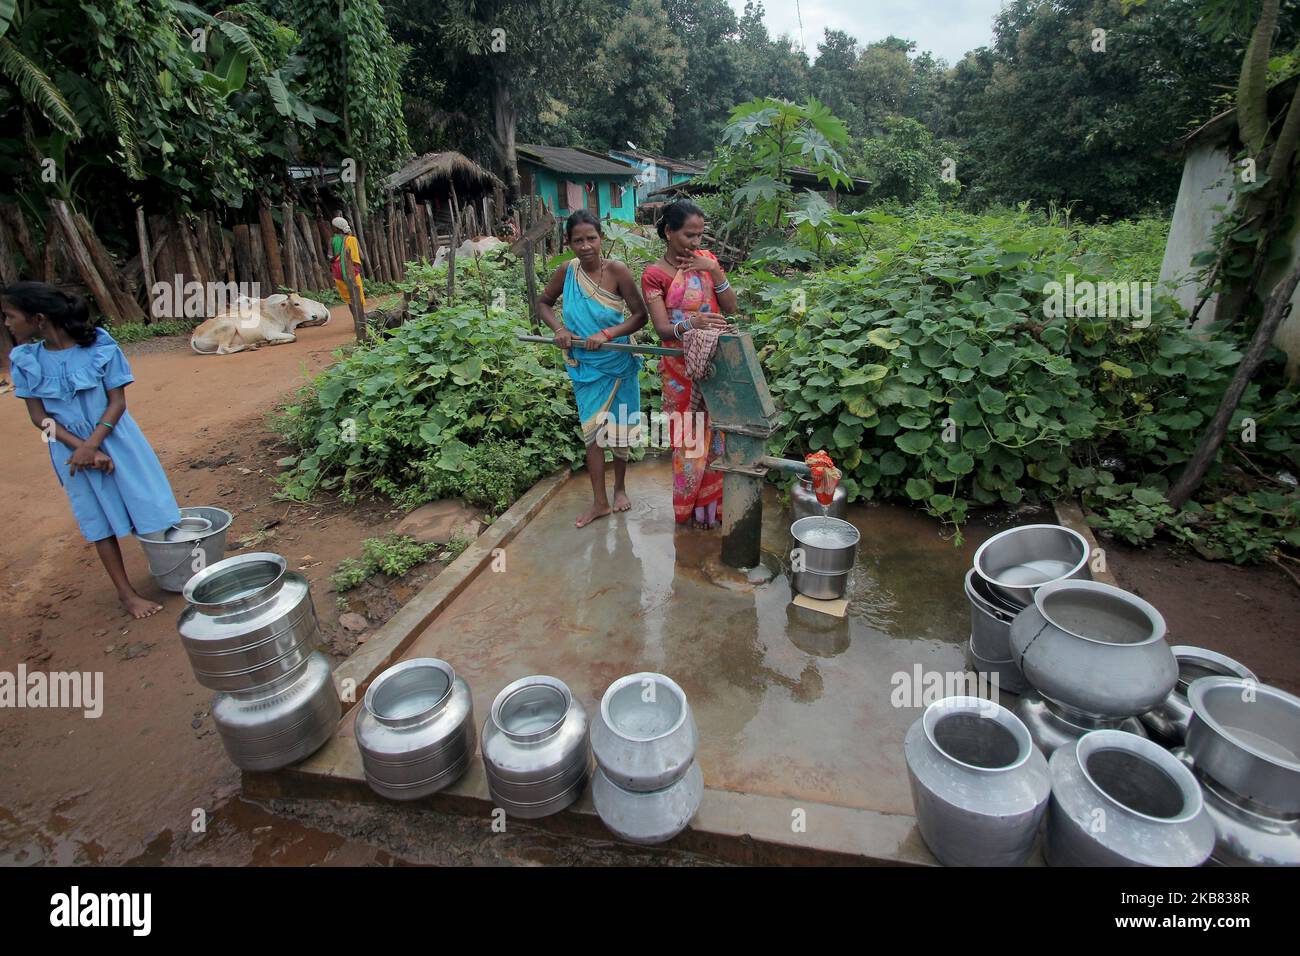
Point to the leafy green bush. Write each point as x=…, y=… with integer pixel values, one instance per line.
x=448, y=404
x=930, y=370
x=394, y=555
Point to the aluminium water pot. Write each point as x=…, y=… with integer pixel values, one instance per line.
x=1167, y=721
x=1095, y=648
x=990, y=628
x=536, y=751
x=248, y=622
x=1246, y=736
x=1122, y=800
x=416, y=729
x=648, y=817
x=1052, y=725
x=282, y=722
x=644, y=737
x=803, y=500
x=979, y=785
x=1016, y=562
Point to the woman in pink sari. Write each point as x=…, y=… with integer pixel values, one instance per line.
x=688, y=289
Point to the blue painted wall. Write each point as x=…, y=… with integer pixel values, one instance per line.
x=546, y=184
x=663, y=178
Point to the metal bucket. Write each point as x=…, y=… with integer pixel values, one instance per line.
x=178, y=553
x=828, y=548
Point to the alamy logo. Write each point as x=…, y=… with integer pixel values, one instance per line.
x=82, y=691
x=103, y=909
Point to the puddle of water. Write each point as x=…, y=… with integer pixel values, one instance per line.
x=789, y=702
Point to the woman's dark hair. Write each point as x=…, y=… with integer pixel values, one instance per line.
x=675, y=216
x=68, y=312
x=578, y=217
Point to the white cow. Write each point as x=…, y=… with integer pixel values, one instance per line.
x=479, y=246
x=251, y=322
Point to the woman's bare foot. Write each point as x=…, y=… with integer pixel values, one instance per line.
x=621, y=501
x=591, y=514
x=139, y=607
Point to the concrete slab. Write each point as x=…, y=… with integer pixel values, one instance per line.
x=801, y=715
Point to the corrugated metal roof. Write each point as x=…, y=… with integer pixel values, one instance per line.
x=675, y=165
x=562, y=159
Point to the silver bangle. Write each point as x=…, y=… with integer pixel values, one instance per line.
x=726, y=284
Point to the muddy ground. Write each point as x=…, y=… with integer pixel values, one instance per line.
x=133, y=786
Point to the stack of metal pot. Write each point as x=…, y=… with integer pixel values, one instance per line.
x=536, y=750
x=1008, y=568
x=648, y=785
x=416, y=729
x=251, y=635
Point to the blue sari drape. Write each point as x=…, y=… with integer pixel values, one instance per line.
x=606, y=383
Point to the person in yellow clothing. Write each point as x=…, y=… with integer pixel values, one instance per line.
x=344, y=248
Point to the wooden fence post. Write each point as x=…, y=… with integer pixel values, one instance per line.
x=82, y=261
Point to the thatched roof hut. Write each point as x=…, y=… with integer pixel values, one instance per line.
x=431, y=178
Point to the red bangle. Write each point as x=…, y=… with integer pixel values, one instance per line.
x=604, y=333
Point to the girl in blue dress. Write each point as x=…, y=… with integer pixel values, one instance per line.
x=74, y=382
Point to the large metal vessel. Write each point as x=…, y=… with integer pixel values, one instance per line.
x=1167, y=721
x=535, y=746
x=803, y=500
x=644, y=736
x=178, y=553
x=282, y=722
x=1053, y=725
x=979, y=785
x=416, y=729
x=1095, y=648
x=647, y=786
x=249, y=621
x=1122, y=800
x=1016, y=562
x=826, y=550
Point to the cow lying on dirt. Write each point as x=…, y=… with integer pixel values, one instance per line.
x=252, y=322
x=476, y=246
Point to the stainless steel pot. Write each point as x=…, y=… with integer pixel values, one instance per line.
x=1006, y=672
x=805, y=504
x=416, y=729
x=249, y=621
x=535, y=746
x=979, y=785
x=1017, y=561
x=1052, y=724
x=1168, y=721
x=1246, y=834
x=1123, y=800
x=644, y=737
x=1095, y=648
x=1246, y=736
x=821, y=586
x=282, y=722
x=648, y=817
x=990, y=628
x=829, y=545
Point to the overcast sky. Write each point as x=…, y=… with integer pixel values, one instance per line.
x=947, y=28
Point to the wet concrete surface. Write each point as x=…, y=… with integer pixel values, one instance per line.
x=790, y=702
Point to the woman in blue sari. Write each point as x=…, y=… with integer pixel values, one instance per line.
x=606, y=382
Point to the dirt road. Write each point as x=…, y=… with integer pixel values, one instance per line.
x=127, y=785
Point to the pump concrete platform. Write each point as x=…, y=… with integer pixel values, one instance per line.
x=801, y=715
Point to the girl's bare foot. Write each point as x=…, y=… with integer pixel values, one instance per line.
x=621, y=500
x=591, y=514
x=139, y=607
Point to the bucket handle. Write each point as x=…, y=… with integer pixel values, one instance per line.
x=189, y=556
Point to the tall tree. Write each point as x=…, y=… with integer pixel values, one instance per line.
x=709, y=72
